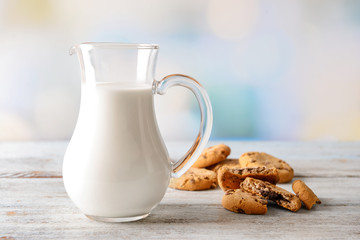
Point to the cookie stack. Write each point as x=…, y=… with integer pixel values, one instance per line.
x=248, y=182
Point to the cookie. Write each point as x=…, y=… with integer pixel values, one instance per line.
x=272, y=192
x=306, y=195
x=230, y=162
x=230, y=178
x=240, y=201
x=195, y=179
x=258, y=159
x=212, y=155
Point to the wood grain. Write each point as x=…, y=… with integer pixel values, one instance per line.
x=34, y=204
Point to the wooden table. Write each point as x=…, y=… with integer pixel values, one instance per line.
x=34, y=204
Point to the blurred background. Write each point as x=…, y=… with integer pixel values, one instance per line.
x=274, y=70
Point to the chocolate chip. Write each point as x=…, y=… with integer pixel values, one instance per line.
x=239, y=210
x=229, y=192
x=271, y=195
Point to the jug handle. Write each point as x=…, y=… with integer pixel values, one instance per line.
x=180, y=166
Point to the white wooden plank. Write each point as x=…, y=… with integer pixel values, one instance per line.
x=28, y=158
x=40, y=209
x=56, y=149
x=309, y=159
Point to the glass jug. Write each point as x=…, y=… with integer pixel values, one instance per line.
x=116, y=167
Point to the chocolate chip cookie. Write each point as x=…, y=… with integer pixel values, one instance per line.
x=258, y=159
x=306, y=195
x=195, y=179
x=230, y=162
x=212, y=155
x=272, y=192
x=240, y=201
x=230, y=178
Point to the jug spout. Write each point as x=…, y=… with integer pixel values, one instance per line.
x=72, y=50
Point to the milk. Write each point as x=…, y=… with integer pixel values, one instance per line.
x=116, y=164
